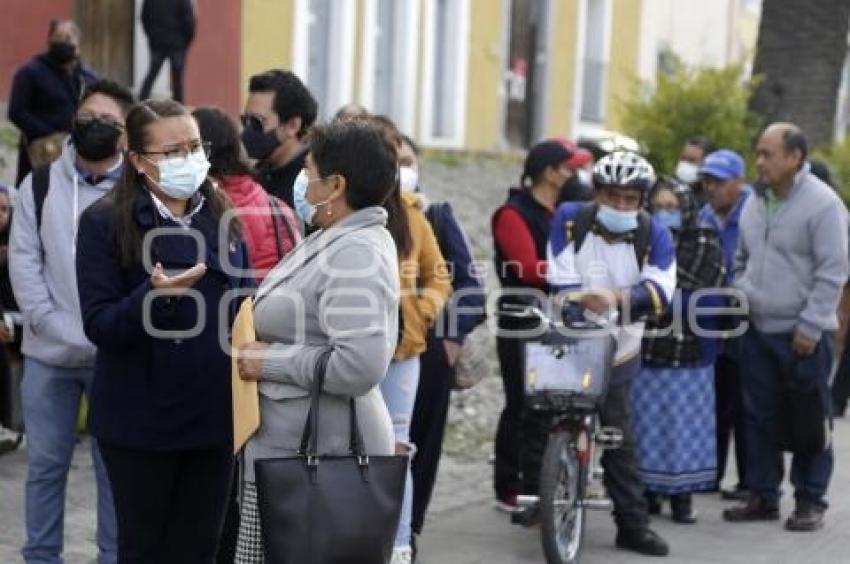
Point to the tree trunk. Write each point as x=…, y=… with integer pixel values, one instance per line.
x=802, y=46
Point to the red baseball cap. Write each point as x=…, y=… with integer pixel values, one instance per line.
x=554, y=152
x=580, y=157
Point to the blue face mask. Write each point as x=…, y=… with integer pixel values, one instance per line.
x=672, y=219
x=616, y=221
x=305, y=210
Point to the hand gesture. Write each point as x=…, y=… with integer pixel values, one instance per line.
x=179, y=283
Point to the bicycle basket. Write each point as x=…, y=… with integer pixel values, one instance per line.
x=560, y=371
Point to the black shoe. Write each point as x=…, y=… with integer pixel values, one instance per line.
x=643, y=541
x=756, y=509
x=838, y=409
x=653, y=502
x=683, y=510
x=736, y=494
x=807, y=517
x=527, y=517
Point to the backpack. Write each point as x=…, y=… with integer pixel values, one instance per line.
x=585, y=222
x=40, y=186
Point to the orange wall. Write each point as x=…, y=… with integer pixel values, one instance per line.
x=23, y=33
x=213, y=67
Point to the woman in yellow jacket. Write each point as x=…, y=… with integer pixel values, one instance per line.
x=425, y=287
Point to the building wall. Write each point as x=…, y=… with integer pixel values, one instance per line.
x=484, y=99
x=562, y=69
x=213, y=66
x=623, y=65
x=23, y=33
x=267, y=36
x=713, y=34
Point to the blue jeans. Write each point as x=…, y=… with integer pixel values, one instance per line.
x=768, y=364
x=51, y=401
x=399, y=391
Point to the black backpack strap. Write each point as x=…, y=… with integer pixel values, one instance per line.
x=578, y=229
x=40, y=186
x=643, y=238
x=278, y=217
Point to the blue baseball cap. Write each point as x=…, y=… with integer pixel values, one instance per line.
x=723, y=164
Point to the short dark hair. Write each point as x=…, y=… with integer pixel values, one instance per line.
x=703, y=142
x=221, y=131
x=292, y=98
x=120, y=94
x=56, y=22
x=343, y=147
x=793, y=139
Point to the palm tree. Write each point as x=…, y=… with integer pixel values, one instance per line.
x=801, y=50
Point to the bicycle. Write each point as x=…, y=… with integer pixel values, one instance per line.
x=567, y=371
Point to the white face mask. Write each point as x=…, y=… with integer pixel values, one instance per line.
x=409, y=178
x=687, y=172
x=180, y=178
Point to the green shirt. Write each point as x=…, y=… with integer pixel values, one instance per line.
x=772, y=204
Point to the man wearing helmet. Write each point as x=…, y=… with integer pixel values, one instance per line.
x=618, y=258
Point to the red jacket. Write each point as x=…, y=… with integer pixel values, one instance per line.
x=259, y=224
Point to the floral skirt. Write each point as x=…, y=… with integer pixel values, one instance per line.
x=673, y=418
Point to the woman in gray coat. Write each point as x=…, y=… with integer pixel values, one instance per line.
x=337, y=291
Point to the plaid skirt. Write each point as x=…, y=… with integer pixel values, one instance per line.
x=249, y=542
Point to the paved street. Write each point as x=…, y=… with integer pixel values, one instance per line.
x=464, y=528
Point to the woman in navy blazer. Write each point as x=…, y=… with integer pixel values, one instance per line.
x=161, y=402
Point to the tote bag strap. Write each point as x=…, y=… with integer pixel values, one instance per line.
x=310, y=434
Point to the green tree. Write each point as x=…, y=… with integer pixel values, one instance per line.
x=686, y=102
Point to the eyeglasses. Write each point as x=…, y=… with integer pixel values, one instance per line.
x=86, y=118
x=180, y=154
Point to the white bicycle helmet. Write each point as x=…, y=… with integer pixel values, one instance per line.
x=624, y=169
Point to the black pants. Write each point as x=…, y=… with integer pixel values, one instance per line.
x=428, y=425
x=169, y=505
x=731, y=418
x=177, y=60
x=230, y=530
x=622, y=474
x=521, y=435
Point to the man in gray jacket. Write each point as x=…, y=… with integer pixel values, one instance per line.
x=791, y=264
x=58, y=358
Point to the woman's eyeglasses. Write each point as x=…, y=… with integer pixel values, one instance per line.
x=180, y=154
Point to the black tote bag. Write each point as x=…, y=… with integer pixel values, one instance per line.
x=318, y=509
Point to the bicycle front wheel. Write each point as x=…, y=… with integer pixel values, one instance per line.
x=562, y=516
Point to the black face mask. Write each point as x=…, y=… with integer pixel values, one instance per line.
x=95, y=140
x=61, y=52
x=259, y=144
x=574, y=190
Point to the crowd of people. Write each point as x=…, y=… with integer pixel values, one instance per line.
x=755, y=279
x=138, y=226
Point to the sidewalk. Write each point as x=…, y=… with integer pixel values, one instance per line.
x=463, y=527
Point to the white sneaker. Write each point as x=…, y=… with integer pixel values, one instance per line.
x=402, y=555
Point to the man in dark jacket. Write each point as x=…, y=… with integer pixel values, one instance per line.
x=170, y=27
x=46, y=92
x=278, y=112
